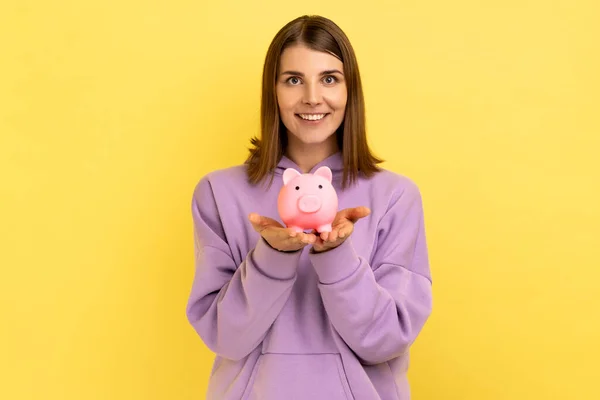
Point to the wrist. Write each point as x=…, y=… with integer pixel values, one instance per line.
x=274, y=263
x=335, y=264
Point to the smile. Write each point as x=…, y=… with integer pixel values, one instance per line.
x=312, y=117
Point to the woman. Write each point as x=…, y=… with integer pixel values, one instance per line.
x=308, y=315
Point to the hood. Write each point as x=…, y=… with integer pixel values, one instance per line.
x=335, y=162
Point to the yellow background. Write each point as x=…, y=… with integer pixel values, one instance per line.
x=110, y=111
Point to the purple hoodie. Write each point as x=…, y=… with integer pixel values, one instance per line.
x=319, y=326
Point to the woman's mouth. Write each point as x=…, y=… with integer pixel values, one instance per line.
x=312, y=118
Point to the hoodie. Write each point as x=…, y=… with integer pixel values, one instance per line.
x=322, y=326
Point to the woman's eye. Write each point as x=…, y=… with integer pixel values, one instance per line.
x=293, y=80
x=330, y=80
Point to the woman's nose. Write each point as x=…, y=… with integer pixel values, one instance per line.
x=312, y=94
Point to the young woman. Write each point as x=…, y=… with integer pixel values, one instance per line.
x=307, y=315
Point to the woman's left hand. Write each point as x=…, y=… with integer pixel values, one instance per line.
x=341, y=227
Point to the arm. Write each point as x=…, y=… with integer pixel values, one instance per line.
x=231, y=307
x=380, y=309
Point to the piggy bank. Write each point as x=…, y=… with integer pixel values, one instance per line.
x=307, y=201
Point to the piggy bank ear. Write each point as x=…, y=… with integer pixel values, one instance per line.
x=324, y=172
x=289, y=174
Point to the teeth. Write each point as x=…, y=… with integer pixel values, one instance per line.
x=312, y=117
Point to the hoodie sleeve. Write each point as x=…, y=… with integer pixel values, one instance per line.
x=380, y=309
x=231, y=306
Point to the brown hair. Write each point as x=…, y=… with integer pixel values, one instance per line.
x=320, y=34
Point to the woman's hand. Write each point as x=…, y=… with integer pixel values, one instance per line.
x=278, y=236
x=342, y=227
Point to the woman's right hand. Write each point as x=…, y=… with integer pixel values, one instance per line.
x=278, y=236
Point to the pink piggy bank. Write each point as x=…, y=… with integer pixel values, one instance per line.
x=307, y=201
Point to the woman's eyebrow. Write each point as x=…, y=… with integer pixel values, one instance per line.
x=327, y=72
x=332, y=71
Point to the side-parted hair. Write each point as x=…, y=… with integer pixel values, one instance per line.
x=320, y=34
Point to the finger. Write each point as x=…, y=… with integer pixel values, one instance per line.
x=309, y=238
x=292, y=237
x=333, y=235
x=346, y=231
x=341, y=216
x=295, y=234
x=255, y=220
x=298, y=238
x=259, y=220
x=356, y=213
x=317, y=237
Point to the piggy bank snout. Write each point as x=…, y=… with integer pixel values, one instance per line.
x=309, y=203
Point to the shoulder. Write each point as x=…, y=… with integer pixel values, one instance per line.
x=228, y=175
x=392, y=196
x=393, y=185
x=219, y=179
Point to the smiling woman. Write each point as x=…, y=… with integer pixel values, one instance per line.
x=309, y=315
x=311, y=74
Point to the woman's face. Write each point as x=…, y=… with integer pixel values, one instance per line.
x=311, y=94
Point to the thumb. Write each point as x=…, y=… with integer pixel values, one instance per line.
x=256, y=221
x=354, y=214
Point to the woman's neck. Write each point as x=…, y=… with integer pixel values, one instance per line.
x=306, y=156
